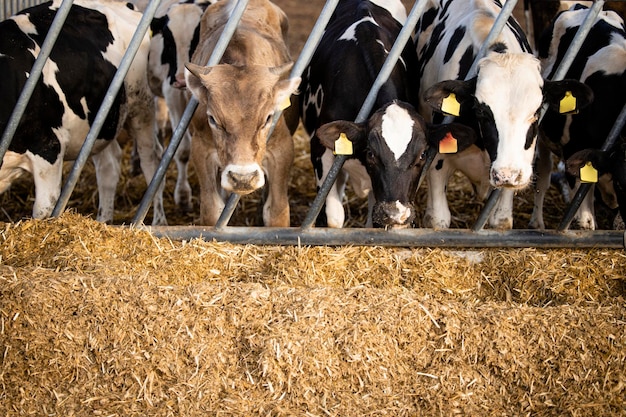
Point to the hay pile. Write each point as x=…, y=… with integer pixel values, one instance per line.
x=99, y=320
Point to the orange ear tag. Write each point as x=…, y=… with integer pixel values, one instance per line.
x=567, y=103
x=343, y=146
x=448, y=144
x=450, y=105
x=588, y=173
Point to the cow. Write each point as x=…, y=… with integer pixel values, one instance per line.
x=502, y=102
x=238, y=99
x=68, y=95
x=392, y=146
x=175, y=34
x=601, y=65
x=335, y=83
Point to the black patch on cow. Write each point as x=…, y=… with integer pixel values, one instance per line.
x=499, y=47
x=465, y=63
x=439, y=165
x=456, y=38
x=83, y=74
x=487, y=129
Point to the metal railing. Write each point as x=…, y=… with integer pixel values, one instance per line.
x=306, y=234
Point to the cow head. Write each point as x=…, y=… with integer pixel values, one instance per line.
x=504, y=102
x=392, y=145
x=240, y=103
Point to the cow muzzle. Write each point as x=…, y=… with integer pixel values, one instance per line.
x=509, y=178
x=242, y=179
x=393, y=215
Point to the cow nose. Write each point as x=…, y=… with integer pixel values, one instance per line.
x=507, y=177
x=392, y=215
x=180, y=81
x=242, y=179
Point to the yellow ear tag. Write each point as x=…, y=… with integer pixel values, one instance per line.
x=286, y=103
x=343, y=146
x=568, y=103
x=588, y=173
x=448, y=144
x=450, y=105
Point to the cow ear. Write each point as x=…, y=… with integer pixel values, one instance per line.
x=283, y=91
x=330, y=132
x=462, y=135
x=193, y=78
x=567, y=96
x=439, y=95
x=599, y=159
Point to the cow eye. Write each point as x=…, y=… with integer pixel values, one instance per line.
x=213, y=123
x=268, y=121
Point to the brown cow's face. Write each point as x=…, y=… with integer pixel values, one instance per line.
x=240, y=104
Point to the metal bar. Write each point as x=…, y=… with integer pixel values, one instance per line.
x=35, y=74
x=584, y=188
x=401, y=238
x=105, y=107
x=558, y=75
x=366, y=108
x=298, y=68
x=168, y=155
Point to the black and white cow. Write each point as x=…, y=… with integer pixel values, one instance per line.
x=175, y=35
x=392, y=146
x=502, y=102
x=68, y=95
x=348, y=58
x=601, y=65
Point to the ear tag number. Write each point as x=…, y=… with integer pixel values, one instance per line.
x=343, y=146
x=588, y=173
x=286, y=103
x=448, y=144
x=567, y=103
x=450, y=105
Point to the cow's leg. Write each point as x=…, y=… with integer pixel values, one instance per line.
x=543, y=170
x=176, y=104
x=48, y=180
x=278, y=166
x=143, y=130
x=437, y=213
x=585, y=216
x=502, y=216
x=206, y=164
x=108, y=168
x=335, y=214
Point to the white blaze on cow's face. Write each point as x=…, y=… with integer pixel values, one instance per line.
x=240, y=104
x=508, y=98
x=397, y=129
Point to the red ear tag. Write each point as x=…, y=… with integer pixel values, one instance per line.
x=448, y=144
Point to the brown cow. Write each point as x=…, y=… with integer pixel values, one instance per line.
x=237, y=101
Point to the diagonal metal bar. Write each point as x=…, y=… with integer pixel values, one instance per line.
x=105, y=107
x=177, y=135
x=35, y=74
x=559, y=74
x=366, y=108
x=584, y=188
x=298, y=68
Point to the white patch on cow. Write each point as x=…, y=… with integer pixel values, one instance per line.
x=401, y=214
x=378, y=41
x=350, y=33
x=26, y=26
x=510, y=84
x=397, y=129
x=609, y=60
x=394, y=7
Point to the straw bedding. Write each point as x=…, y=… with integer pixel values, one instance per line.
x=102, y=320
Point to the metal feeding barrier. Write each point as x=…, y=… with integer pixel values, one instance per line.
x=306, y=234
